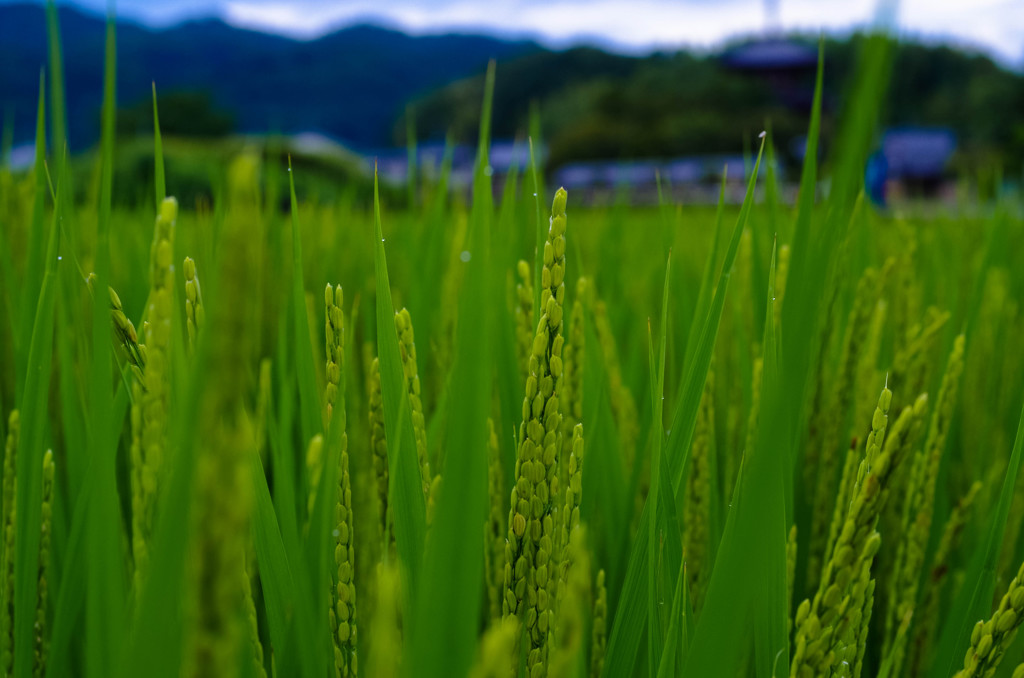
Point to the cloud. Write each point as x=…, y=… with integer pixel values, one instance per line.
x=994, y=26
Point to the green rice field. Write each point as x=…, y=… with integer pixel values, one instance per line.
x=505, y=432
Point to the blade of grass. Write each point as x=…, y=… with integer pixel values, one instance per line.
x=808, y=178
x=974, y=601
x=58, y=114
x=28, y=463
x=626, y=631
x=35, y=263
x=604, y=472
x=405, y=491
x=106, y=577
x=280, y=590
x=72, y=590
x=706, y=289
x=676, y=640
x=655, y=616
x=158, y=156
x=685, y=416
x=448, y=609
x=538, y=254
x=740, y=596
x=283, y=457
x=59, y=130
x=309, y=411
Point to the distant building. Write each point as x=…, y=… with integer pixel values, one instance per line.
x=693, y=178
x=918, y=153
x=787, y=65
x=910, y=161
x=393, y=163
x=770, y=55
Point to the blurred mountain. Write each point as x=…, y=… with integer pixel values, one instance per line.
x=601, y=106
x=350, y=84
x=353, y=86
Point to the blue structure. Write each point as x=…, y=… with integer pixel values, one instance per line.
x=773, y=54
x=916, y=157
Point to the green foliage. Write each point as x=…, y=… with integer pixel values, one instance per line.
x=250, y=562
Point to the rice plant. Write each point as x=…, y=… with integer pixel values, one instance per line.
x=753, y=440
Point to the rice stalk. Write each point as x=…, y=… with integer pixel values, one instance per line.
x=835, y=420
x=938, y=574
x=572, y=383
x=824, y=626
x=570, y=514
x=343, y=598
x=155, y=405
x=386, y=650
x=524, y=317
x=220, y=512
x=599, y=627
x=819, y=399
x=195, y=312
x=567, y=648
x=407, y=346
x=7, y=569
x=43, y=588
x=530, y=546
x=495, y=648
x=495, y=530
x=252, y=620
x=919, y=507
x=910, y=363
x=862, y=633
x=990, y=639
x=379, y=447
x=697, y=503
x=867, y=374
x=125, y=334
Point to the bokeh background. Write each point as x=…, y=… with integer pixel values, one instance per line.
x=624, y=92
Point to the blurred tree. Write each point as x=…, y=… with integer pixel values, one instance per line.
x=190, y=114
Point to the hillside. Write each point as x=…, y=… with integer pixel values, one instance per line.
x=350, y=84
x=354, y=84
x=600, y=106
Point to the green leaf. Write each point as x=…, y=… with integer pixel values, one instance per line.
x=655, y=616
x=285, y=599
x=448, y=608
x=538, y=254
x=676, y=639
x=625, y=635
x=158, y=156
x=707, y=280
x=974, y=600
x=35, y=262
x=106, y=593
x=604, y=474
x=28, y=464
x=405, y=492
x=308, y=393
x=742, y=597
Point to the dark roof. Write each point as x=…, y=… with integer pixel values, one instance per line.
x=771, y=54
x=917, y=152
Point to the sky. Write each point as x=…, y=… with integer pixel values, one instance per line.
x=995, y=27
